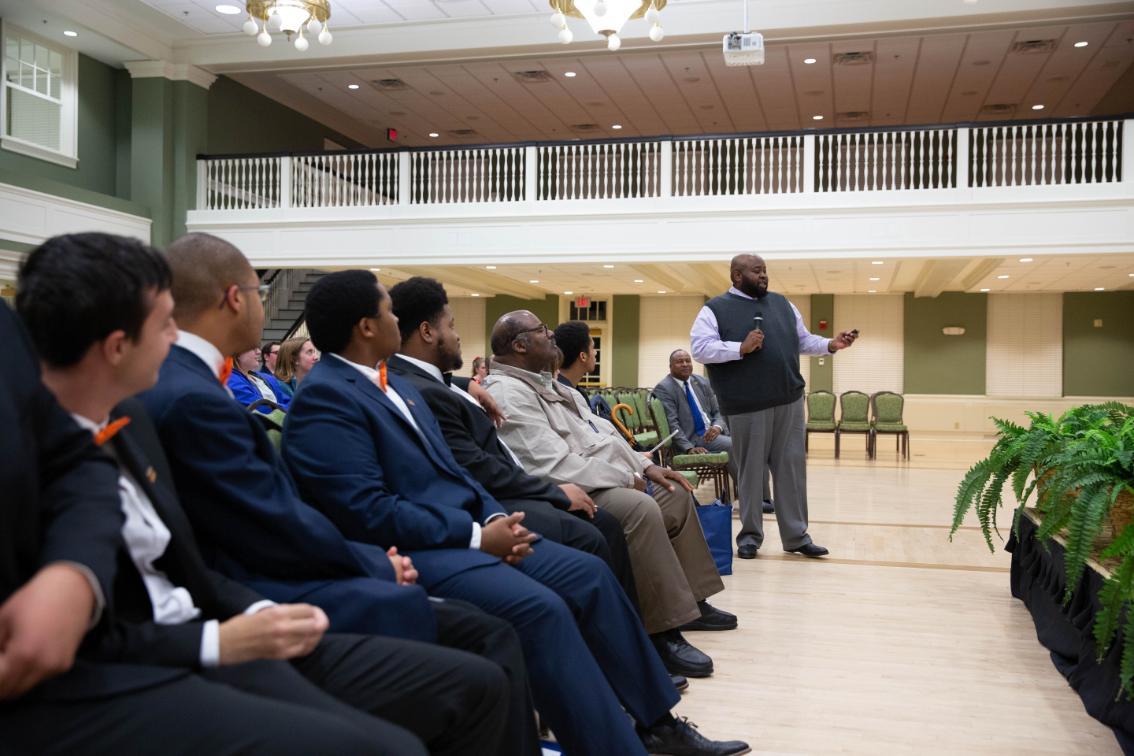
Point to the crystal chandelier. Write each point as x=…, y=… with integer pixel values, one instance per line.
x=292, y=17
x=606, y=17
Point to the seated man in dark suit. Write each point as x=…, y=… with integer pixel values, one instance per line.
x=172, y=610
x=429, y=354
x=692, y=410
x=249, y=521
x=367, y=451
x=59, y=540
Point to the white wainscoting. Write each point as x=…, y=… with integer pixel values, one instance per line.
x=1025, y=345
x=30, y=217
x=971, y=414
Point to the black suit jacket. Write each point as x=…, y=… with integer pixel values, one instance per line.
x=130, y=633
x=58, y=502
x=472, y=438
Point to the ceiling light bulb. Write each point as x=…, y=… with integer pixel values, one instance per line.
x=325, y=36
x=558, y=20
x=876, y=262
x=661, y=291
x=652, y=14
x=809, y=61
x=872, y=291
x=533, y=280
x=570, y=74
x=1037, y=107
x=228, y=10
x=352, y=86
x=1100, y=288
x=301, y=42
x=875, y=278
x=313, y=26
x=1003, y=277
x=474, y=294
x=69, y=33
x=1025, y=259
x=1082, y=44
x=816, y=118
x=639, y=280
x=250, y=27
x=616, y=126
x=657, y=34
x=565, y=35
x=608, y=267
x=490, y=267
x=613, y=42
x=600, y=8
x=433, y=135
x=986, y=290
x=263, y=39
x=568, y=293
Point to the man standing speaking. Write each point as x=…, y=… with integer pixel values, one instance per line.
x=750, y=340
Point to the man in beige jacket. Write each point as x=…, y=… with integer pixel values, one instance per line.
x=553, y=437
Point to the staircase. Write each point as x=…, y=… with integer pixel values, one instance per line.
x=286, y=301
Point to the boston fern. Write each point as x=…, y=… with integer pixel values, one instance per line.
x=1083, y=464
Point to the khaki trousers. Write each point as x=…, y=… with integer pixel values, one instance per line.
x=673, y=568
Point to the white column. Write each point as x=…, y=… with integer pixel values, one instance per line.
x=1128, y=151
x=403, y=178
x=964, y=143
x=667, y=168
x=531, y=175
x=285, y=181
x=810, y=142
x=202, y=179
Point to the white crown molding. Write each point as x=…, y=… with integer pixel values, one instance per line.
x=160, y=69
x=29, y=217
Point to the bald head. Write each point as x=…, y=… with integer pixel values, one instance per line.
x=749, y=274
x=522, y=340
x=508, y=328
x=204, y=267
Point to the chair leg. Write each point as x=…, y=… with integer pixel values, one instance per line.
x=837, y=444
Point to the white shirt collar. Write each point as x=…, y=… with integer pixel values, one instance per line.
x=87, y=424
x=203, y=349
x=370, y=373
x=428, y=367
x=738, y=292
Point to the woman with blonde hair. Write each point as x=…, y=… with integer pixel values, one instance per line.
x=297, y=357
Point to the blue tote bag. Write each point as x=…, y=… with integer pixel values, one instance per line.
x=716, y=521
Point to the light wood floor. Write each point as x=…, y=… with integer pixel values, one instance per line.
x=900, y=642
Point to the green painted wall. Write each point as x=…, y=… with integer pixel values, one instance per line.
x=97, y=172
x=623, y=350
x=151, y=153
x=123, y=124
x=940, y=364
x=822, y=376
x=1098, y=361
x=241, y=120
x=546, y=309
x=191, y=123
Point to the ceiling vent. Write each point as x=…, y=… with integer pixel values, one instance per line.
x=853, y=115
x=862, y=58
x=999, y=108
x=390, y=85
x=462, y=133
x=535, y=76
x=1034, y=47
x=584, y=128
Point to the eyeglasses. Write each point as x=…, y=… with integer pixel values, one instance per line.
x=541, y=327
x=263, y=289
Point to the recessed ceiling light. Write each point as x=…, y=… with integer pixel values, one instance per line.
x=609, y=267
x=568, y=293
x=1025, y=259
x=639, y=280
x=875, y=278
x=816, y=118
x=1100, y=288
x=352, y=86
x=1130, y=274
x=661, y=291
x=433, y=135
x=872, y=291
x=228, y=10
x=1084, y=43
x=616, y=126
x=1002, y=277
x=490, y=267
x=808, y=61
x=533, y=280
x=570, y=74
x=376, y=270
x=876, y=262
x=69, y=33
x=1037, y=107
x=985, y=290
x=474, y=294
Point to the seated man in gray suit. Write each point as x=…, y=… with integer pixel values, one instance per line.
x=693, y=413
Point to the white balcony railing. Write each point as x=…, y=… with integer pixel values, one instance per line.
x=1074, y=152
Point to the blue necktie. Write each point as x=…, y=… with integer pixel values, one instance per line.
x=698, y=422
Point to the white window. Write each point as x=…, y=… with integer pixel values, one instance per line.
x=38, y=109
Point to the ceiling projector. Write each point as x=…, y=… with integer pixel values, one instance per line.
x=744, y=49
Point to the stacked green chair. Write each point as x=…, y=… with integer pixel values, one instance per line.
x=886, y=417
x=712, y=466
x=821, y=417
x=854, y=417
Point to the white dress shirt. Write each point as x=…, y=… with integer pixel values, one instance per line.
x=203, y=349
x=373, y=376
x=707, y=347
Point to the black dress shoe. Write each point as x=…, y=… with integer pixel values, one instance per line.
x=679, y=737
x=809, y=550
x=746, y=551
x=679, y=682
x=711, y=619
x=768, y=507
x=680, y=657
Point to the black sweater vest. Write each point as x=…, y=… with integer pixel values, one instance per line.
x=768, y=377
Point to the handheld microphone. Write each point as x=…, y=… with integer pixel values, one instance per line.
x=758, y=322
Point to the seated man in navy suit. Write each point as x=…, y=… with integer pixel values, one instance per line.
x=367, y=451
x=248, y=518
x=59, y=541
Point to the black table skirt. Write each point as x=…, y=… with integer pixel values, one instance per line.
x=1038, y=579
